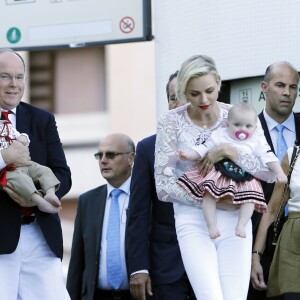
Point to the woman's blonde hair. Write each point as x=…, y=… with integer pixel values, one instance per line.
x=195, y=66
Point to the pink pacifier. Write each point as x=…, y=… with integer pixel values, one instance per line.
x=242, y=135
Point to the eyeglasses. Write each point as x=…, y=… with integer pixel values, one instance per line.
x=108, y=155
x=173, y=99
x=8, y=77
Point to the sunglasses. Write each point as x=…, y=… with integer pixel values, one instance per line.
x=108, y=155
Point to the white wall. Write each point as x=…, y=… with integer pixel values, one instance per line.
x=243, y=37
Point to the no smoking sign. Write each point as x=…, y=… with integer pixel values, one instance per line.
x=127, y=24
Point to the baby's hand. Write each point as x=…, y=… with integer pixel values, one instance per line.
x=23, y=139
x=281, y=177
x=182, y=155
x=188, y=155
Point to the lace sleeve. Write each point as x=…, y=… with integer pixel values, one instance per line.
x=166, y=163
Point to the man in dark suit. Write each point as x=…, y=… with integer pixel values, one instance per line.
x=31, y=246
x=280, y=86
x=88, y=275
x=154, y=259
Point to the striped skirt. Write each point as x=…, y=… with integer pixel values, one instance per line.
x=220, y=186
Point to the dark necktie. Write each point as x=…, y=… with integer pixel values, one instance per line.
x=113, y=257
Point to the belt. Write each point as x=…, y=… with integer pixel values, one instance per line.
x=113, y=294
x=25, y=220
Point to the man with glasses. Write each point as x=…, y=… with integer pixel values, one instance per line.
x=31, y=246
x=97, y=267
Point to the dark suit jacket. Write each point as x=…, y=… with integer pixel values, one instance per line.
x=45, y=149
x=84, y=264
x=268, y=187
x=150, y=236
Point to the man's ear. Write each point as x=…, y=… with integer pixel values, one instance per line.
x=264, y=87
x=131, y=159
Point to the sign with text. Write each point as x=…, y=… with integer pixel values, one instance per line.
x=28, y=24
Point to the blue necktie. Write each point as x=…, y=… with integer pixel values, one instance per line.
x=281, y=150
x=113, y=258
x=281, y=143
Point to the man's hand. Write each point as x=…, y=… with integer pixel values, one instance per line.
x=17, y=198
x=16, y=154
x=140, y=284
x=257, y=277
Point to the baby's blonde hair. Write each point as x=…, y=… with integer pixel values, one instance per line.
x=241, y=108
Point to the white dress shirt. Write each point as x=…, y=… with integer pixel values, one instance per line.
x=289, y=132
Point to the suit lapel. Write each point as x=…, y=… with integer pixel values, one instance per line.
x=23, y=119
x=99, y=215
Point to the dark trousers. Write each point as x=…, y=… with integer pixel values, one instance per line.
x=178, y=290
x=112, y=295
x=254, y=294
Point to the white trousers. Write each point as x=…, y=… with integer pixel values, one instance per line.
x=32, y=272
x=217, y=269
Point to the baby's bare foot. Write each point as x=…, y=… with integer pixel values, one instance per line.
x=240, y=231
x=44, y=205
x=213, y=232
x=48, y=207
x=53, y=199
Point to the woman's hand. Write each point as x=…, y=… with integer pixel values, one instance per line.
x=257, y=276
x=214, y=155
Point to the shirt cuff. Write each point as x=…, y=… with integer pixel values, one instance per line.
x=141, y=271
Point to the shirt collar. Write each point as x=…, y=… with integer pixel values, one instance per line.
x=289, y=123
x=14, y=110
x=125, y=187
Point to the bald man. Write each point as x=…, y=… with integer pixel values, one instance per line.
x=89, y=274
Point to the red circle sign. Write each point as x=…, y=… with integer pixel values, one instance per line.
x=127, y=24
